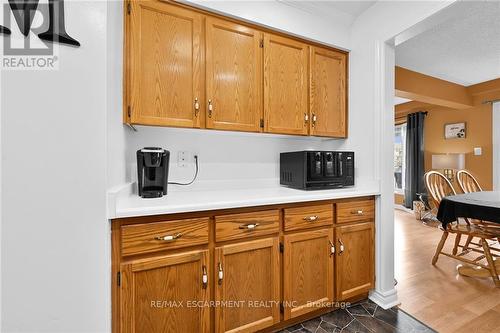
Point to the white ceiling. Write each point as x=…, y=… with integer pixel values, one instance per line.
x=464, y=49
x=327, y=8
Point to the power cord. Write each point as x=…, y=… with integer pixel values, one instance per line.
x=195, y=175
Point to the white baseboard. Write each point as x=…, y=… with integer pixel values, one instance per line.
x=403, y=208
x=385, y=300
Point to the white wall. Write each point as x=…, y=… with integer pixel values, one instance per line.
x=115, y=130
x=288, y=18
x=372, y=88
x=55, y=237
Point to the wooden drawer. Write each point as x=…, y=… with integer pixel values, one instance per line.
x=243, y=225
x=308, y=216
x=356, y=211
x=158, y=236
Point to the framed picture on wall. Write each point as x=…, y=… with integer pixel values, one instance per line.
x=454, y=131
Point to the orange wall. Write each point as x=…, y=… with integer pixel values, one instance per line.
x=478, y=121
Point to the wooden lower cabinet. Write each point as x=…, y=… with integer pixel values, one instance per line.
x=308, y=271
x=247, y=274
x=355, y=262
x=155, y=292
x=247, y=270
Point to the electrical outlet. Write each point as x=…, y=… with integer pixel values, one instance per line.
x=182, y=159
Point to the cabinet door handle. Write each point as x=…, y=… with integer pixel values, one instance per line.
x=332, y=248
x=221, y=274
x=196, y=107
x=357, y=212
x=341, y=250
x=306, y=118
x=169, y=238
x=312, y=218
x=249, y=226
x=204, y=277
x=210, y=108
x=314, y=118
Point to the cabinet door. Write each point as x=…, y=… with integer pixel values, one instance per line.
x=328, y=95
x=355, y=259
x=234, y=76
x=308, y=271
x=165, y=67
x=285, y=85
x=248, y=275
x=159, y=294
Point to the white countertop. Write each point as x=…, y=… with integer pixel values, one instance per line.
x=123, y=202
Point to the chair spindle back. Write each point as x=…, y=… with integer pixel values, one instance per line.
x=438, y=186
x=468, y=183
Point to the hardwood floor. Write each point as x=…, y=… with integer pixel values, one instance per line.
x=437, y=295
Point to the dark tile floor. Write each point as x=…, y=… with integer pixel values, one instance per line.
x=363, y=317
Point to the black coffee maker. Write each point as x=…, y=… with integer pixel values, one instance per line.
x=152, y=172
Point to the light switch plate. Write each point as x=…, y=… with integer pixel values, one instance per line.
x=478, y=151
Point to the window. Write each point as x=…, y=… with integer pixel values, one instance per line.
x=399, y=157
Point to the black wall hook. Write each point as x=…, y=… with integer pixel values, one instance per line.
x=57, y=30
x=4, y=30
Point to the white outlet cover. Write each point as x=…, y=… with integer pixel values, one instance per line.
x=478, y=151
x=182, y=159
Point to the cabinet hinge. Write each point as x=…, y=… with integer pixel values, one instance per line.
x=282, y=247
x=262, y=123
x=129, y=8
x=261, y=44
x=129, y=112
x=282, y=307
x=119, y=279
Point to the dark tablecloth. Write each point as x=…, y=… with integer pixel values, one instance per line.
x=478, y=205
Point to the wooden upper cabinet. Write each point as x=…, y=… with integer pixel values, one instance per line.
x=247, y=274
x=234, y=76
x=355, y=259
x=155, y=291
x=285, y=85
x=191, y=68
x=328, y=94
x=165, y=59
x=308, y=272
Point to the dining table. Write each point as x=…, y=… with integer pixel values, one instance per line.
x=482, y=206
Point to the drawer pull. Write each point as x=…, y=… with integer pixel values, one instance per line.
x=169, y=238
x=341, y=247
x=221, y=274
x=196, y=107
x=249, y=226
x=357, y=212
x=210, y=108
x=204, y=277
x=311, y=218
x=332, y=248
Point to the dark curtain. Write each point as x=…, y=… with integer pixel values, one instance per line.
x=414, y=177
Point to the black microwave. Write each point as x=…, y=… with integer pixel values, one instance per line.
x=316, y=170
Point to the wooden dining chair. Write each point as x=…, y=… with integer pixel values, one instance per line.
x=439, y=187
x=467, y=182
